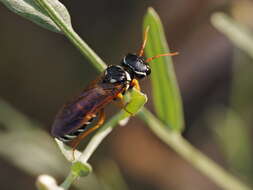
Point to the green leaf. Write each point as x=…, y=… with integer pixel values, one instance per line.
x=136, y=101
x=80, y=169
x=167, y=99
x=32, y=11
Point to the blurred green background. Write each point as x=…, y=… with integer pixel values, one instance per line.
x=41, y=70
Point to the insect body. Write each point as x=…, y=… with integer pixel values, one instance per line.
x=73, y=118
x=72, y=121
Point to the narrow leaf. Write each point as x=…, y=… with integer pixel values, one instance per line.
x=136, y=102
x=30, y=10
x=167, y=99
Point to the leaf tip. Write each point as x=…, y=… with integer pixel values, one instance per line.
x=151, y=11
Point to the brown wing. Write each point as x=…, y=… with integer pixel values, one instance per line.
x=87, y=105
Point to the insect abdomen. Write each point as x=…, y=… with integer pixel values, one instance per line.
x=69, y=137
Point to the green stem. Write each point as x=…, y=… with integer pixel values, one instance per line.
x=68, y=181
x=201, y=162
x=95, y=141
x=85, y=50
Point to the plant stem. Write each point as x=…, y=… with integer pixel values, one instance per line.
x=201, y=162
x=68, y=181
x=85, y=50
x=95, y=141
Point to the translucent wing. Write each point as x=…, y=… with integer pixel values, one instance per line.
x=77, y=112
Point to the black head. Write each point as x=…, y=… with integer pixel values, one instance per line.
x=136, y=66
x=116, y=74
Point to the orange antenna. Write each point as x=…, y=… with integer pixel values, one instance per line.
x=144, y=41
x=161, y=55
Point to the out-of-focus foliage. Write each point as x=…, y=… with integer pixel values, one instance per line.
x=32, y=149
x=29, y=144
x=226, y=125
x=232, y=125
x=110, y=176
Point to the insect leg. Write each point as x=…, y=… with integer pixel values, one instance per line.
x=135, y=84
x=100, y=122
x=122, y=104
